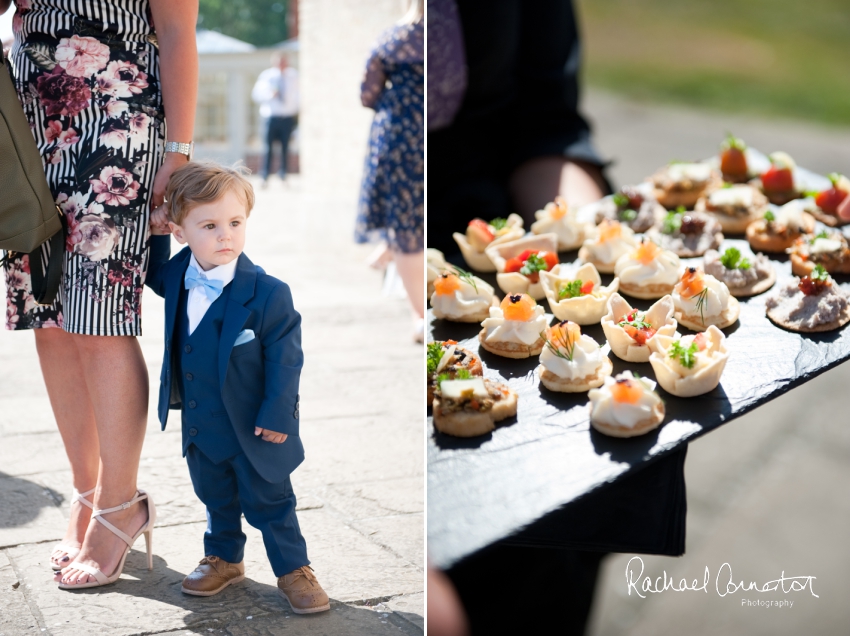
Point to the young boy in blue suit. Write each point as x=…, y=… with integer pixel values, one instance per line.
x=232, y=365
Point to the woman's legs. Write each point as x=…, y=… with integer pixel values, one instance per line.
x=411, y=268
x=117, y=382
x=72, y=408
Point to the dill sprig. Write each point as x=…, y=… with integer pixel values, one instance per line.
x=569, y=345
x=465, y=276
x=701, y=303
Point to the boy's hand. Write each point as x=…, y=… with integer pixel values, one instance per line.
x=159, y=221
x=270, y=436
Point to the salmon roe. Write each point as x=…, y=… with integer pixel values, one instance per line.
x=519, y=307
x=446, y=284
x=626, y=391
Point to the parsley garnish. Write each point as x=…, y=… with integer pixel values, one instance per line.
x=769, y=216
x=731, y=259
x=465, y=276
x=534, y=264
x=621, y=200
x=628, y=215
x=637, y=321
x=499, y=223
x=569, y=346
x=685, y=356
x=570, y=290
x=435, y=354
x=819, y=274
x=673, y=221
x=460, y=374
x=822, y=234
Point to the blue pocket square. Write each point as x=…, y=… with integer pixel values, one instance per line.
x=246, y=335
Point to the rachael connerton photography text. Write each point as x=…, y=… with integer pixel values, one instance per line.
x=724, y=584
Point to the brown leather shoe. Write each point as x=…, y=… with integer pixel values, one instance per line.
x=303, y=591
x=211, y=576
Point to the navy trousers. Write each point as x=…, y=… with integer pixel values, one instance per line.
x=232, y=487
x=278, y=129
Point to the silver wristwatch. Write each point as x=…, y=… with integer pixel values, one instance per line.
x=183, y=149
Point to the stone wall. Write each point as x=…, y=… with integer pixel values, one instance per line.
x=335, y=38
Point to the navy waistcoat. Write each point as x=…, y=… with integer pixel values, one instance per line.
x=205, y=420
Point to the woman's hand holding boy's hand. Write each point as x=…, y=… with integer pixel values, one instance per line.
x=270, y=436
x=159, y=221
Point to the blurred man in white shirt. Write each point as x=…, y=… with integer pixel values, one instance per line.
x=276, y=91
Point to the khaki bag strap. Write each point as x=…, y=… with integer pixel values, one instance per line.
x=45, y=285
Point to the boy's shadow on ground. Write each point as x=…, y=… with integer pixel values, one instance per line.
x=229, y=610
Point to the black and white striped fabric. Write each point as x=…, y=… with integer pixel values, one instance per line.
x=87, y=74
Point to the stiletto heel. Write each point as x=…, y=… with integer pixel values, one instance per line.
x=147, y=530
x=149, y=547
x=70, y=550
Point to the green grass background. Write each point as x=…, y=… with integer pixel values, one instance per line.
x=788, y=58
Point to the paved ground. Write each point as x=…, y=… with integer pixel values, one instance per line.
x=360, y=490
x=768, y=492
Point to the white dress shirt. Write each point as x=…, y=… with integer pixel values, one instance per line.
x=197, y=303
x=277, y=92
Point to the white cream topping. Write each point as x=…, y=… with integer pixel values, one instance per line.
x=782, y=160
x=716, y=299
x=662, y=270
x=824, y=245
x=465, y=300
x=791, y=213
x=612, y=249
x=605, y=408
x=501, y=330
x=689, y=171
x=568, y=229
x=731, y=197
x=587, y=359
x=436, y=263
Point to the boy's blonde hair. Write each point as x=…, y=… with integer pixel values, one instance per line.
x=200, y=182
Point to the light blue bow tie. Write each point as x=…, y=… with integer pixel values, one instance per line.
x=212, y=288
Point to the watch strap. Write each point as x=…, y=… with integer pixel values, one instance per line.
x=179, y=147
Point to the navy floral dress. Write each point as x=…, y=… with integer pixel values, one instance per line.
x=392, y=197
x=87, y=76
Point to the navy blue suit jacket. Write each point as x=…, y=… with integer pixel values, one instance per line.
x=259, y=379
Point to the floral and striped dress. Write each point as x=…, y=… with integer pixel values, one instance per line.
x=87, y=74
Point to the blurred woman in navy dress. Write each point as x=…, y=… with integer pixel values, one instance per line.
x=392, y=197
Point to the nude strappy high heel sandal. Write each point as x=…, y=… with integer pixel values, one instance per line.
x=70, y=550
x=147, y=530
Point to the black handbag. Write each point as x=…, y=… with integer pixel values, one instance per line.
x=28, y=214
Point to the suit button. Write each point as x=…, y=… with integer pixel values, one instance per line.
x=188, y=348
x=192, y=404
x=190, y=377
x=295, y=414
x=193, y=432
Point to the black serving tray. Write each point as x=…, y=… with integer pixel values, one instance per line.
x=486, y=489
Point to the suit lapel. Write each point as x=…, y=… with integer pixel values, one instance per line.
x=236, y=314
x=172, y=293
